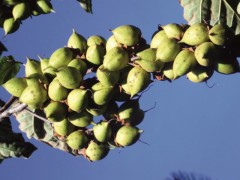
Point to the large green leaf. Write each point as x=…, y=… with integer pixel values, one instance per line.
x=8, y=68
x=86, y=5
x=212, y=12
x=16, y=149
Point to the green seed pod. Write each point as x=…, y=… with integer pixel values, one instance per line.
x=103, y=96
x=60, y=57
x=127, y=135
x=111, y=43
x=219, y=34
x=173, y=30
x=15, y=86
x=21, y=10
x=96, y=40
x=63, y=127
x=102, y=131
x=77, y=100
x=107, y=78
x=10, y=2
x=168, y=70
x=96, y=151
x=77, y=140
x=44, y=6
x=195, y=34
x=82, y=119
x=77, y=41
x=96, y=110
x=150, y=66
x=79, y=64
x=200, y=74
x=69, y=77
x=116, y=59
x=138, y=79
x=148, y=54
x=56, y=91
x=34, y=95
x=99, y=86
x=206, y=53
x=10, y=25
x=168, y=50
x=55, y=111
x=95, y=54
x=158, y=39
x=128, y=35
x=227, y=64
x=184, y=63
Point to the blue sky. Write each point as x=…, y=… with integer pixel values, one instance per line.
x=193, y=128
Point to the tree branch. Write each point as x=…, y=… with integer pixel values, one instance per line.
x=12, y=110
x=8, y=104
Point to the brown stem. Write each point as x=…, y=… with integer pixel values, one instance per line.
x=12, y=110
x=8, y=104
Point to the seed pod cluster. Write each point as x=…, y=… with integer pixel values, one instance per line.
x=13, y=12
x=97, y=78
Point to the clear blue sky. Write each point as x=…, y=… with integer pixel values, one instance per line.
x=193, y=128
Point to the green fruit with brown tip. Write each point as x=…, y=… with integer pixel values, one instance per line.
x=56, y=91
x=102, y=131
x=21, y=10
x=138, y=79
x=111, y=43
x=10, y=25
x=34, y=95
x=107, y=78
x=219, y=34
x=173, y=30
x=127, y=135
x=15, y=86
x=206, y=54
x=77, y=100
x=60, y=57
x=116, y=59
x=127, y=35
x=168, y=50
x=77, y=140
x=69, y=77
x=96, y=151
x=79, y=64
x=196, y=34
x=82, y=119
x=96, y=40
x=184, y=63
x=200, y=74
x=55, y=111
x=63, y=127
x=44, y=6
x=77, y=41
x=158, y=39
x=95, y=54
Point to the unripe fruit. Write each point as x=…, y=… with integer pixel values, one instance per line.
x=77, y=100
x=79, y=64
x=55, y=111
x=77, y=41
x=168, y=70
x=96, y=151
x=96, y=110
x=184, y=63
x=127, y=135
x=195, y=34
x=44, y=6
x=69, y=77
x=148, y=54
x=96, y=40
x=150, y=66
x=95, y=54
x=107, y=78
x=111, y=43
x=128, y=35
x=173, y=30
x=47, y=70
x=63, y=127
x=138, y=79
x=10, y=25
x=103, y=96
x=10, y=2
x=168, y=50
x=116, y=59
x=158, y=39
x=22, y=10
x=200, y=74
x=77, y=140
x=206, y=53
x=219, y=34
x=56, y=91
x=60, y=57
x=227, y=65
x=102, y=131
x=15, y=86
x=82, y=119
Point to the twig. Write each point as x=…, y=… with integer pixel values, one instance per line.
x=8, y=104
x=37, y=116
x=12, y=110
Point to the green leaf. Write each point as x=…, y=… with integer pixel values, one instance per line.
x=8, y=68
x=213, y=12
x=16, y=149
x=86, y=5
